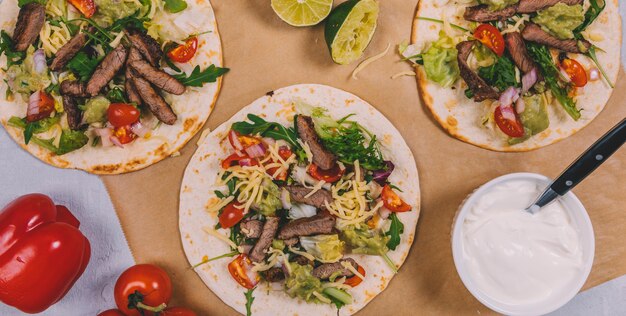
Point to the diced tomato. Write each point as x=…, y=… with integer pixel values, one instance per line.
x=355, y=280
x=45, y=107
x=574, y=70
x=184, y=53
x=284, y=152
x=392, y=201
x=507, y=120
x=86, y=7
x=490, y=37
x=231, y=215
x=329, y=176
x=240, y=269
x=122, y=114
x=124, y=134
x=237, y=159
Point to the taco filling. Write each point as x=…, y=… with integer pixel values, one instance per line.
x=99, y=71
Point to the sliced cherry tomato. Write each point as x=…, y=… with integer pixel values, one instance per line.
x=184, y=53
x=178, y=311
x=45, y=106
x=122, y=114
x=392, y=201
x=329, y=176
x=285, y=152
x=112, y=312
x=86, y=7
x=143, y=286
x=236, y=159
x=574, y=70
x=231, y=215
x=240, y=270
x=124, y=134
x=508, y=121
x=490, y=37
x=355, y=280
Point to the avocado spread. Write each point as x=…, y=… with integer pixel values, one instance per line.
x=560, y=19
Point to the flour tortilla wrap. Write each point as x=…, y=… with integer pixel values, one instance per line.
x=193, y=109
x=198, y=187
x=462, y=117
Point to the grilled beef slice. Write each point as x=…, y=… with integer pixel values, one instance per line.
x=325, y=270
x=29, y=23
x=73, y=88
x=301, y=260
x=131, y=90
x=534, y=33
x=146, y=45
x=106, y=70
x=274, y=274
x=323, y=158
x=251, y=228
x=322, y=223
x=530, y=6
x=74, y=115
x=482, y=91
x=159, y=78
x=257, y=254
x=68, y=51
x=517, y=49
x=154, y=101
x=481, y=13
x=291, y=241
x=317, y=199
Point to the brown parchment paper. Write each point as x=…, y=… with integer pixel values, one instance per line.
x=265, y=53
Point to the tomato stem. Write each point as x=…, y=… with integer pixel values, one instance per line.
x=155, y=309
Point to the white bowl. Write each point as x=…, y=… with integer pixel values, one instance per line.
x=578, y=215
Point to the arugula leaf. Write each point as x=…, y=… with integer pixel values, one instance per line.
x=175, y=6
x=500, y=75
x=70, y=141
x=395, y=230
x=31, y=128
x=6, y=48
x=551, y=75
x=267, y=129
x=592, y=54
x=349, y=143
x=198, y=78
x=595, y=8
x=226, y=255
x=235, y=235
x=21, y=3
x=116, y=95
x=249, y=300
x=28, y=132
x=83, y=66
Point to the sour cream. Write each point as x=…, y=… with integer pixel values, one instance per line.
x=517, y=258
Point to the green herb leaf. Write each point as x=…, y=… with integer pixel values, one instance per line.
x=500, y=75
x=117, y=95
x=249, y=300
x=198, y=78
x=351, y=142
x=175, y=6
x=28, y=132
x=83, y=66
x=21, y=3
x=592, y=54
x=6, y=48
x=595, y=8
x=267, y=129
x=226, y=255
x=395, y=230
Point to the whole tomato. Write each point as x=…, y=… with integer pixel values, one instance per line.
x=178, y=311
x=142, y=287
x=111, y=312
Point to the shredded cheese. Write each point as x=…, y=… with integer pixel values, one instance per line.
x=322, y=298
x=214, y=208
x=404, y=73
x=349, y=266
x=302, y=253
x=116, y=41
x=315, y=188
x=307, y=150
x=519, y=21
x=54, y=37
x=272, y=261
x=369, y=61
x=223, y=238
x=203, y=136
x=339, y=283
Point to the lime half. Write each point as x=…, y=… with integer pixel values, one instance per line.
x=349, y=29
x=302, y=12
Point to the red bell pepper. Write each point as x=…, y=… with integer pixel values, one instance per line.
x=42, y=253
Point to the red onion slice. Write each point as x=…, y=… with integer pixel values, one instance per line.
x=234, y=140
x=105, y=134
x=116, y=141
x=33, y=104
x=256, y=150
x=509, y=96
x=384, y=213
x=520, y=105
x=39, y=61
x=529, y=79
x=381, y=175
x=139, y=129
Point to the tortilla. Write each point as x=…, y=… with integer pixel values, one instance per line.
x=198, y=188
x=193, y=109
x=462, y=117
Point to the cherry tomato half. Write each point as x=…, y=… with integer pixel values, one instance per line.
x=45, y=107
x=355, y=280
x=86, y=7
x=507, y=120
x=392, y=201
x=231, y=215
x=178, y=311
x=112, y=312
x=146, y=286
x=240, y=269
x=124, y=134
x=122, y=114
x=184, y=53
x=575, y=71
x=329, y=176
x=490, y=37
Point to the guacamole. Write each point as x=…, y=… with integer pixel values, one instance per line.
x=111, y=10
x=362, y=240
x=534, y=118
x=301, y=283
x=95, y=110
x=561, y=19
x=494, y=5
x=270, y=201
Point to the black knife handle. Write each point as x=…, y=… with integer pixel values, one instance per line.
x=591, y=159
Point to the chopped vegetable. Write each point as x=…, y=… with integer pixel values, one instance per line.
x=266, y=129
x=329, y=176
x=575, y=71
x=507, y=120
x=184, y=53
x=440, y=61
x=249, y=300
x=70, y=141
x=122, y=114
x=230, y=215
x=491, y=37
x=241, y=270
x=95, y=110
x=325, y=248
x=83, y=66
x=355, y=280
x=395, y=231
x=560, y=19
x=6, y=48
x=175, y=6
x=198, y=77
x=501, y=74
x=339, y=297
x=86, y=7
x=363, y=240
x=392, y=201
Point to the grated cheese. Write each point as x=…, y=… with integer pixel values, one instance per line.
x=307, y=150
x=213, y=209
x=349, y=266
x=322, y=298
x=54, y=37
x=315, y=188
x=116, y=41
x=369, y=61
x=302, y=253
x=203, y=136
x=275, y=256
x=519, y=21
x=223, y=238
x=339, y=283
x=404, y=73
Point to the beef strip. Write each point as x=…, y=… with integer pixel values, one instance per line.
x=481, y=13
x=131, y=90
x=317, y=199
x=322, y=223
x=257, y=254
x=301, y=260
x=154, y=101
x=325, y=270
x=251, y=228
x=291, y=241
x=482, y=91
x=323, y=158
x=157, y=77
x=534, y=33
x=68, y=51
x=29, y=23
x=74, y=114
x=531, y=6
x=106, y=70
x=146, y=45
x=73, y=88
x=274, y=274
x=517, y=49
